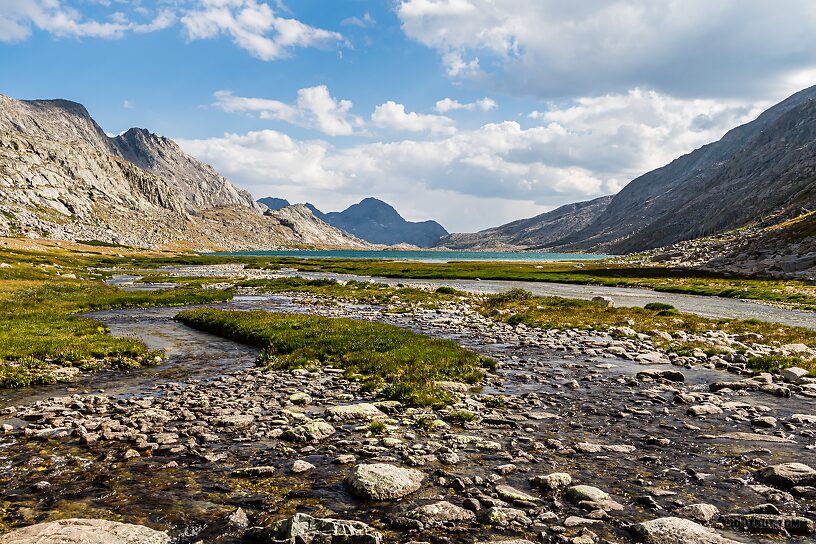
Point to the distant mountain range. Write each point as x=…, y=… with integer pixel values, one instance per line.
x=533, y=232
x=62, y=177
x=374, y=221
x=761, y=173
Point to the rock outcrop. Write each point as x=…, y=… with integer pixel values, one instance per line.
x=62, y=177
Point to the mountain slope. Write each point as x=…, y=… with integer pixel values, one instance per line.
x=197, y=183
x=537, y=231
x=62, y=177
x=378, y=222
x=754, y=171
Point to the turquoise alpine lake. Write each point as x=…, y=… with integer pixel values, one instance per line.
x=422, y=255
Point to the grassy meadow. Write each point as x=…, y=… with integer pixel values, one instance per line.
x=398, y=364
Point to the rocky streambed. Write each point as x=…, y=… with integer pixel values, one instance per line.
x=577, y=437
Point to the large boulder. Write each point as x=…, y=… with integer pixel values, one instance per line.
x=381, y=481
x=789, y=475
x=305, y=529
x=676, y=531
x=85, y=531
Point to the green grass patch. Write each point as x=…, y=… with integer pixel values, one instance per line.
x=461, y=416
x=38, y=327
x=398, y=364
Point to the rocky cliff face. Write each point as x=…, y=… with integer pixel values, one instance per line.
x=379, y=223
x=756, y=170
x=538, y=231
x=198, y=184
x=62, y=177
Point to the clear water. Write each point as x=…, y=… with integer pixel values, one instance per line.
x=424, y=255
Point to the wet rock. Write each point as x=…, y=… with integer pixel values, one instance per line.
x=768, y=524
x=240, y=421
x=764, y=422
x=551, y=482
x=704, y=410
x=504, y=517
x=578, y=493
x=300, y=398
x=238, y=519
x=313, y=431
x=85, y=531
x=253, y=472
x=439, y=513
x=673, y=530
x=305, y=529
x=655, y=374
x=381, y=481
x=789, y=475
x=576, y=521
x=512, y=494
x=300, y=466
x=362, y=411
x=512, y=541
x=700, y=512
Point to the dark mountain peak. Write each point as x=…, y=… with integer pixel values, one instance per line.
x=373, y=209
x=378, y=222
x=274, y=203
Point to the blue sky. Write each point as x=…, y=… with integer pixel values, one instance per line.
x=470, y=112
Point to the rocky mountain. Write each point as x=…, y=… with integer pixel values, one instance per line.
x=62, y=177
x=537, y=231
x=379, y=223
x=761, y=169
x=274, y=203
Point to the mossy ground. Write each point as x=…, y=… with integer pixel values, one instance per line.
x=519, y=307
x=398, y=364
x=793, y=293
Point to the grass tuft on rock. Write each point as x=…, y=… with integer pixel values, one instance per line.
x=398, y=364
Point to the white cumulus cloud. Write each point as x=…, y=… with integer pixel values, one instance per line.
x=255, y=27
x=19, y=17
x=553, y=48
x=448, y=104
x=315, y=108
x=573, y=151
x=393, y=116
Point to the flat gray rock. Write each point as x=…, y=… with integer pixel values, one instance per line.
x=381, y=481
x=363, y=411
x=84, y=531
x=673, y=530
